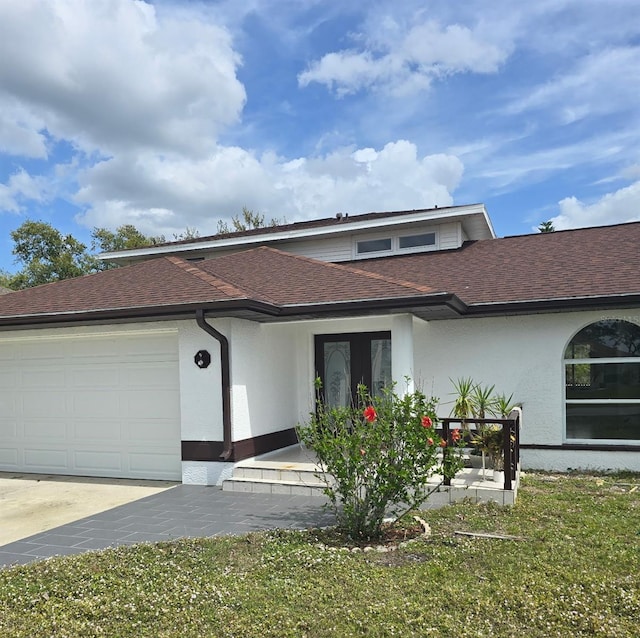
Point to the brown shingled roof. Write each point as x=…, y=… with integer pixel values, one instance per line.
x=150, y=283
x=275, y=276
x=261, y=276
x=487, y=276
x=587, y=262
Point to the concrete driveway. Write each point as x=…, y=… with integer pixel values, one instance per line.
x=33, y=503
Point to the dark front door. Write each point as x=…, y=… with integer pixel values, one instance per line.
x=343, y=361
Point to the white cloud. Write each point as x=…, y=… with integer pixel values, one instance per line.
x=20, y=131
x=166, y=195
x=599, y=83
x=112, y=75
x=408, y=62
x=613, y=208
x=21, y=187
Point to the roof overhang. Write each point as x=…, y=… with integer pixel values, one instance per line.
x=433, y=307
x=440, y=306
x=474, y=218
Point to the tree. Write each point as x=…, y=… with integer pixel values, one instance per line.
x=46, y=255
x=546, y=227
x=124, y=237
x=248, y=221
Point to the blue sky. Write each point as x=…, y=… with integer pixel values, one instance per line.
x=172, y=114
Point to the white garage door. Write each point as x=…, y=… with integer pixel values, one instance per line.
x=91, y=405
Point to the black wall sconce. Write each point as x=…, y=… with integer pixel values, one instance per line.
x=202, y=359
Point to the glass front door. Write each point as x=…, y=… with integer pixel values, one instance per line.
x=346, y=360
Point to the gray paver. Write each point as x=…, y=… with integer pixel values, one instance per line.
x=182, y=511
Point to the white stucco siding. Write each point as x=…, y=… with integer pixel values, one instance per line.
x=263, y=378
x=200, y=388
x=521, y=355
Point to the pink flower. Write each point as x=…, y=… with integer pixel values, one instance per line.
x=455, y=435
x=443, y=443
x=370, y=414
x=426, y=422
x=430, y=441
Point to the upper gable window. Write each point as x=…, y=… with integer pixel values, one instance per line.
x=602, y=382
x=415, y=241
x=373, y=245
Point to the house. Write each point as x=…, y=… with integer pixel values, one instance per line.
x=200, y=353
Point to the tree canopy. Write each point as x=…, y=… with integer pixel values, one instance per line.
x=546, y=227
x=246, y=221
x=46, y=255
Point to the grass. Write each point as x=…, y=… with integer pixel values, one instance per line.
x=577, y=573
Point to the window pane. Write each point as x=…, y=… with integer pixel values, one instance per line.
x=337, y=373
x=611, y=421
x=603, y=380
x=380, y=365
x=609, y=338
x=411, y=241
x=374, y=245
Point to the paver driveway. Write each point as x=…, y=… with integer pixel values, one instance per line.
x=181, y=511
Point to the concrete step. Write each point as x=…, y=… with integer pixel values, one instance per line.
x=274, y=473
x=268, y=486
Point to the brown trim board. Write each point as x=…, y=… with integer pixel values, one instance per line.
x=212, y=450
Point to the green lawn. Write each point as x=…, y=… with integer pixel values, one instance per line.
x=576, y=573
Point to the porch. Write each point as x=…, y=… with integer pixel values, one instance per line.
x=293, y=470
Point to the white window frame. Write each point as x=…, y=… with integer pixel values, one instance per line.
x=395, y=244
x=592, y=361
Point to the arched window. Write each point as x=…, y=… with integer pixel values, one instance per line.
x=602, y=380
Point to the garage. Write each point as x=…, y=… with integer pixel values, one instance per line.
x=91, y=403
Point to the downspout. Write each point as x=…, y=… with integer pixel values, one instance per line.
x=225, y=367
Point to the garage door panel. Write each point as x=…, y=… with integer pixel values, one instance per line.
x=39, y=378
x=153, y=432
x=150, y=404
x=90, y=376
x=43, y=404
x=8, y=429
x=8, y=456
x=91, y=406
x=96, y=404
x=161, y=377
x=104, y=462
x=7, y=404
x=158, y=464
x=46, y=458
x=40, y=351
x=45, y=430
x=92, y=431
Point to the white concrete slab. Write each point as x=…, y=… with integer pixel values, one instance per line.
x=32, y=503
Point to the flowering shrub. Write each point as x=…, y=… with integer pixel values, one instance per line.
x=379, y=456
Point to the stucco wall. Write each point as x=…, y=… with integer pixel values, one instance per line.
x=520, y=355
x=263, y=378
x=200, y=389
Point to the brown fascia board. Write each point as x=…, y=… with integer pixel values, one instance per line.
x=260, y=311
x=561, y=304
